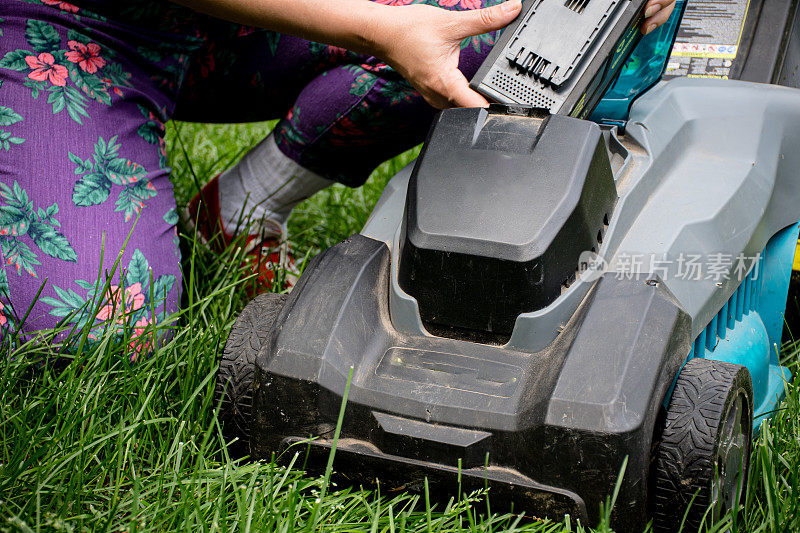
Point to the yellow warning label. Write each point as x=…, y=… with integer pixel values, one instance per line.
x=716, y=55
x=709, y=38
x=796, y=263
x=707, y=76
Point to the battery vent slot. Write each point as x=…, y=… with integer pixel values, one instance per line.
x=577, y=5
x=522, y=92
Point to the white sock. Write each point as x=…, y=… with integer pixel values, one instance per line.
x=262, y=189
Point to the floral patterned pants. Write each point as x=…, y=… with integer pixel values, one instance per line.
x=87, y=214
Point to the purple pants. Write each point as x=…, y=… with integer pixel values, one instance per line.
x=87, y=214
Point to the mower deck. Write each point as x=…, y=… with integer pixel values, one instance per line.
x=551, y=411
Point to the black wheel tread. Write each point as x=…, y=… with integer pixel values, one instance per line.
x=234, y=386
x=685, y=454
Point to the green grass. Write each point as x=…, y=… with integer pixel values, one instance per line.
x=92, y=441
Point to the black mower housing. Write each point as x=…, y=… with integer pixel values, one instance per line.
x=553, y=427
x=547, y=431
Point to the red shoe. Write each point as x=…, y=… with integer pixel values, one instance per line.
x=269, y=254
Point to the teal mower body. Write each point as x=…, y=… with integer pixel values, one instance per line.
x=748, y=328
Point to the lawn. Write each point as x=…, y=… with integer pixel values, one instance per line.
x=93, y=441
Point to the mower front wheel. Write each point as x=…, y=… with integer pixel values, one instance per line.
x=702, y=459
x=233, y=393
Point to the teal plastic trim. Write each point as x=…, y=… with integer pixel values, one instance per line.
x=779, y=258
x=747, y=330
x=643, y=70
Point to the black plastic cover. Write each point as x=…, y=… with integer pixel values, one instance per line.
x=548, y=431
x=500, y=206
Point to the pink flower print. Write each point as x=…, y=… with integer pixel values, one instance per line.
x=376, y=68
x=44, y=68
x=134, y=300
x=87, y=56
x=108, y=310
x=63, y=6
x=13, y=232
x=134, y=297
x=207, y=62
x=13, y=259
x=347, y=132
x=139, y=344
x=337, y=53
x=465, y=4
x=3, y=320
x=140, y=326
x=108, y=82
x=395, y=2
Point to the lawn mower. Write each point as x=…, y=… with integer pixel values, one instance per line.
x=544, y=304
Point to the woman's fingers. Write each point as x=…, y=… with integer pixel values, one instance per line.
x=656, y=13
x=461, y=95
x=478, y=21
x=466, y=24
x=423, y=46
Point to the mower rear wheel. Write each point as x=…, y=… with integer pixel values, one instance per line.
x=233, y=393
x=702, y=458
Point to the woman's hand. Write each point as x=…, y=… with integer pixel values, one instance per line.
x=423, y=44
x=656, y=13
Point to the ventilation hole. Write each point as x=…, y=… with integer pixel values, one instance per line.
x=600, y=237
x=605, y=219
x=577, y=5
x=521, y=92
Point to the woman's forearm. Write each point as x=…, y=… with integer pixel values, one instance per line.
x=421, y=42
x=358, y=25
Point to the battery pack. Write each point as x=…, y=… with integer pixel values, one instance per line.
x=561, y=55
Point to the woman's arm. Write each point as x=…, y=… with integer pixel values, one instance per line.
x=357, y=25
x=421, y=42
